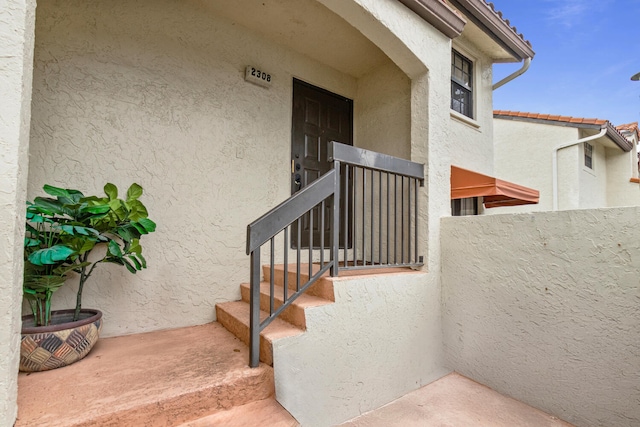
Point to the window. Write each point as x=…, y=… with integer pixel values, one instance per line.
x=462, y=207
x=588, y=155
x=461, y=84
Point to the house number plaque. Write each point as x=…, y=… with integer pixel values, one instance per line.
x=257, y=76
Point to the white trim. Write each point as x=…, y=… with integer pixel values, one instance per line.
x=473, y=57
x=464, y=119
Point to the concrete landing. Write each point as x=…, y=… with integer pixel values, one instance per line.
x=163, y=378
x=265, y=412
x=455, y=401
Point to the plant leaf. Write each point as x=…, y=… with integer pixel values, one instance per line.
x=126, y=235
x=114, y=249
x=135, y=247
x=56, y=191
x=97, y=209
x=129, y=266
x=148, y=225
x=29, y=242
x=51, y=255
x=135, y=262
x=134, y=192
x=111, y=191
x=47, y=206
x=137, y=210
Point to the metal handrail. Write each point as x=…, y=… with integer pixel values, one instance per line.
x=374, y=160
x=354, y=162
x=397, y=229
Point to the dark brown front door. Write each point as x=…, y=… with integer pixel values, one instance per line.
x=319, y=117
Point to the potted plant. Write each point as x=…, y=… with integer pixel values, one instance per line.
x=72, y=233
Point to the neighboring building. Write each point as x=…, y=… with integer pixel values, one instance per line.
x=575, y=163
x=162, y=93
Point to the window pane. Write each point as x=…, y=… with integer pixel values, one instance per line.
x=461, y=84
x=460, y=99
x=588, y=155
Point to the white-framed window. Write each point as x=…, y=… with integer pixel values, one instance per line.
x=461, y=84
x=588, y=155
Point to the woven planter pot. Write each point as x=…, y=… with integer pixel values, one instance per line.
x=61, y=343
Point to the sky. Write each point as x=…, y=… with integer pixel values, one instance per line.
x=586, y=52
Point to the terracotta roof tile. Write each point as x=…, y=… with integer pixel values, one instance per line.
x=575, y=120
x=497, y=13
x=506, y=21
x=630, y=127
x=551, y=117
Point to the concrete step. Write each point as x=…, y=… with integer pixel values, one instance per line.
x=294, y=313
x=322, y=288
x=161, y=378
x=265, y=412
x=234, y=316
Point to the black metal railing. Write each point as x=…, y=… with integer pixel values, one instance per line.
x=362, y=214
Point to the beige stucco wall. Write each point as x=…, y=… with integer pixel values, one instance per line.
x=17, y=19
x=622, y=166
x=384, y=112
x=154, y=92
x=473, y=148
x=377, y=341
x=593, y=182
x=523, y=155
x=545, y=308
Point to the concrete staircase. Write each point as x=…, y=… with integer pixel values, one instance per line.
x=188, y=377
x=235, y=315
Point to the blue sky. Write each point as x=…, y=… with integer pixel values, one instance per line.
x=586, y=53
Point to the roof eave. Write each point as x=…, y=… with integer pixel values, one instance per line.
x=438, y=14
x=612, y=133
x=616, y=136
x=499, y=30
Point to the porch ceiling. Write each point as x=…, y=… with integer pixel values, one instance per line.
x=307, y=27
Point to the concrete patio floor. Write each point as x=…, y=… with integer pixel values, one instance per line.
x=456, y=401
x=198, y=377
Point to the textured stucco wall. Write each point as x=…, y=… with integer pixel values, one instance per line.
x=621, y=167
x=368, y=348
x=474, y=146
x=17, y=18
x=384, y=112
x=523, y=155
x=545, y=308
x=154, y=92
x=313, y=383
x=593, y=182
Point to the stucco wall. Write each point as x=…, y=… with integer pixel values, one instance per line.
x=545, y=308
x=593, y=182
x=154, y=92
x=473, y=149
x=344, y=364
x=378, y=340
x=523, y=155
x=622, y=167
x=384, y=112
x=17, y=19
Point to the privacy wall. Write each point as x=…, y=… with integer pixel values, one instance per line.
x=545, y=308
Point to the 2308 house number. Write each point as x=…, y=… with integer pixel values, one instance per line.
x=257, y=76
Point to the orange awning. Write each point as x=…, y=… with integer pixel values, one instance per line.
x=496, y=192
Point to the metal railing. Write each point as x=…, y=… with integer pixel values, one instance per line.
x=377, y=216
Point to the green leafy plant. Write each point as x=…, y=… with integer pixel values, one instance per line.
x=63, y=230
